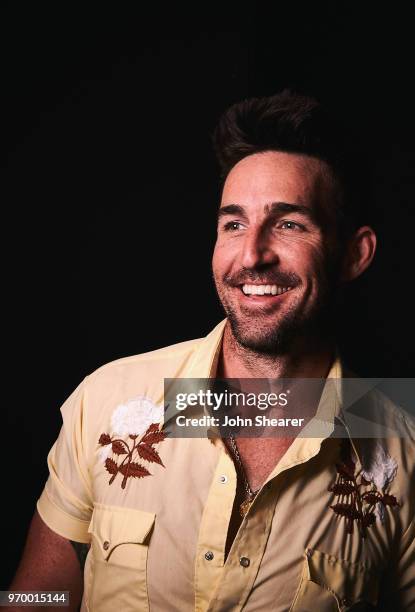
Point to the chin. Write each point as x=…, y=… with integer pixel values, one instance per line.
x=266, y=346
x=271, y=341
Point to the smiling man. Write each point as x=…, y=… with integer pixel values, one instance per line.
x=205, y=523
x=272, y=262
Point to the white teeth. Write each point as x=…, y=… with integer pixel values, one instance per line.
x=264, y=289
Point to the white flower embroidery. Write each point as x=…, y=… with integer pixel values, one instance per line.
x=135, y=416
x=381, y=471
x=104, y=452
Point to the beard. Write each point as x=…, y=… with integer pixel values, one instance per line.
x=302, y=320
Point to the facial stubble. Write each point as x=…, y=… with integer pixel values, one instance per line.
x=294, y=323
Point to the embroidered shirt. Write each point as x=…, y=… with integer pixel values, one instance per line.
x=159, y=542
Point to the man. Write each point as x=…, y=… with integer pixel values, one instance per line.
x=253, y=523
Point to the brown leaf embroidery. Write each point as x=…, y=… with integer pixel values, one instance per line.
x=389, y=500
x=134, y=469
x=104, y=439
x=154, y=427
x=143, y=448
x=344, y=488
x=149, y=454
x=371, y=497
x=154, y=438
x=119, y=447
x=346, y=510
x=356, y=505
x=111, y=466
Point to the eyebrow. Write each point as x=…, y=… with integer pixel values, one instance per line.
x=231, y=209
x=273, y=208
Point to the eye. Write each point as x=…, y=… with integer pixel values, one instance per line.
x=232, y=226
x=291, y=225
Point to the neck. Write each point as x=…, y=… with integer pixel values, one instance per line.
x=309, y=358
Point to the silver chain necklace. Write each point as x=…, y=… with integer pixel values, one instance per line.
x=250, y=494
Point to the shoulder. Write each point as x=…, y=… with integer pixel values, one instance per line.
x=121, y=380
x=372, y=409
x=371, y=413
x=165, y=362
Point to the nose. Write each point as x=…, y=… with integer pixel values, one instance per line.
x=257, y=249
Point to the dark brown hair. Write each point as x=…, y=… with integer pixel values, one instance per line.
x=295, y=123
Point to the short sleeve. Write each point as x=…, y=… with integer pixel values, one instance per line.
x=65, y=504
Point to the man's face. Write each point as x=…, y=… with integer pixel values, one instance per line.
x=271, y=261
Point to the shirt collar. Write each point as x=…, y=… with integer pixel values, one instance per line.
x=204, y=362
x=328, y=417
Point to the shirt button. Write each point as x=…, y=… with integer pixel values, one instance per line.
x=106, y=545
x=209, y=555
x=223, y=479
x=244, y=561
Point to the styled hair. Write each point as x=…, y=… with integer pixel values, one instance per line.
x=295, y=123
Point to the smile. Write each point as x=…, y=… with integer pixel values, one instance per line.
x=264, y=289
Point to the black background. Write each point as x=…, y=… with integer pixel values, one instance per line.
x=108, y=220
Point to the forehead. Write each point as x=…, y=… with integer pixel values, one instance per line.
x=259, y=179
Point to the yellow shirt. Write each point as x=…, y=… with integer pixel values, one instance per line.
x=158, y=543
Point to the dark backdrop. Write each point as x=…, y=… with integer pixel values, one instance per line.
x=111, y=188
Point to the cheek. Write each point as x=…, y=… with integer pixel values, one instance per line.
x=216, y=261
x=317, y=271
x=222, y=258
x=303, y=257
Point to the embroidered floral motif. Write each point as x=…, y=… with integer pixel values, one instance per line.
x=356, y=504
x=382, y=467
x=137, y=417
x=381, y=471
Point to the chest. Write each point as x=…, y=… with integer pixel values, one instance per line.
x=185, y=523
x=259, y=456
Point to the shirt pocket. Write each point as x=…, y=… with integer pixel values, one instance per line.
x=120, y=538
x=330, y=584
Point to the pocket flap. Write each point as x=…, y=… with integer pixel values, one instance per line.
x=113, y=525
x=348, y=581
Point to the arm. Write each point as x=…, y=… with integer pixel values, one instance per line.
x=64, y=511
x=49, y=563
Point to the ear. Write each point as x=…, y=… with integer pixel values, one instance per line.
x=359, y=253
